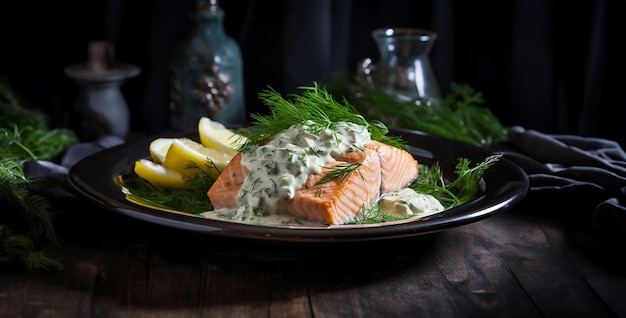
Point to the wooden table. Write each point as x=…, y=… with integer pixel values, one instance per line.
x=518, y=263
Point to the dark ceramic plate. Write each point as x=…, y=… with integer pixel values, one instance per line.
x=506, y=184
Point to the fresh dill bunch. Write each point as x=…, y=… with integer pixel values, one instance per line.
x=24, y=130
x=26, y=221
x=193, y=198
x=450, y=192
x=474, y=123
x=30, y=143
x=19, y=248
x=469, y=180
x=317, y=108
x=460, y=114
x=459, y=190
x=15, y=191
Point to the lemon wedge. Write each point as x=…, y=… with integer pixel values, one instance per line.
x=158, y=175
x=186, y=156
x=159, y=148
x=215, y=135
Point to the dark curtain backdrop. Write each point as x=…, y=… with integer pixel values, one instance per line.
x=553, y=66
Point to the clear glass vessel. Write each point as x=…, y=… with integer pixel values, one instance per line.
x=404, y=67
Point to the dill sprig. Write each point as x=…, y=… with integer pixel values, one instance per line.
x=340, y=171
x=457, y=191
x=26, y=224
x=315, y=107
x=27, y=221
x=15, y=191
x=459, y=114
x=450, y=192
x=375, y=214
x=191, y=199
x=30, y=143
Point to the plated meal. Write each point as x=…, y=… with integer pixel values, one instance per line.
x=313, y=163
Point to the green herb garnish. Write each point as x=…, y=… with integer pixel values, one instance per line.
x=317, y=108
x=457, y=191
x=375, y=214
x=339, y=171
x=450, y=192
x=460, y=114
x=26, y=224
x=192, y=199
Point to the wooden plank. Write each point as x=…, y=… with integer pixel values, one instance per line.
x=27, y=293
x=515, y=265
x=437, y=275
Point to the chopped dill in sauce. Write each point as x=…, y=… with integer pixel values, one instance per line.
x=280, y=167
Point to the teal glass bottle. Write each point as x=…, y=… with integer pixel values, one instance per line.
x=207, y=74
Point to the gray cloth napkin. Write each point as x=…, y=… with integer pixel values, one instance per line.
x=573, y=176
x=55, y=173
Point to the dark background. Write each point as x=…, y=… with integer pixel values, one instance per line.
x=553, y=66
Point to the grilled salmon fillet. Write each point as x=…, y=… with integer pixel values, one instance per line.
x=383, y=168
x=398, y=167
x=223, y=193
x=339, y=201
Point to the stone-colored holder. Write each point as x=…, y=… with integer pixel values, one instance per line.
x=99, y=81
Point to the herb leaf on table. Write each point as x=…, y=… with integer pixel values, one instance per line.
x=26, y=221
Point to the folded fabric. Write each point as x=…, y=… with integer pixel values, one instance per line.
x=580, y=177
x=56, y=172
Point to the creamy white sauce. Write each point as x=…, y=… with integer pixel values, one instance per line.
x=408, y=202
x=280, y=167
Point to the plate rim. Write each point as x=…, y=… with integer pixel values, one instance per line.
x=117, y=157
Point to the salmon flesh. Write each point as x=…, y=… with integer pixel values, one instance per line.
x=381, y=168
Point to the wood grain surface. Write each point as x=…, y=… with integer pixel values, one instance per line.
x=514, y=264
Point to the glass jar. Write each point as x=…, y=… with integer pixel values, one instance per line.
x=404, y=67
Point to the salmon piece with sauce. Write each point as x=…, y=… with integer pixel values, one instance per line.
x=383, y=168
x=398, y=167
x=223, y=193
x=339, y=201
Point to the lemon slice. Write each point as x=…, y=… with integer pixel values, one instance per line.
x=186, y=156
x=215, y=135
x=158, y=175
x=159, y=148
